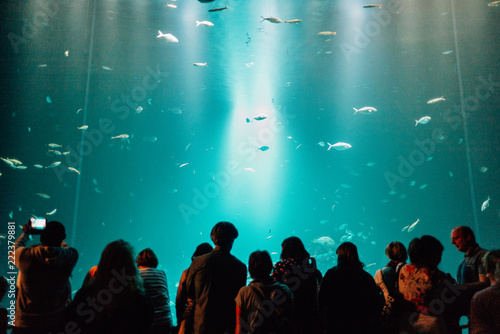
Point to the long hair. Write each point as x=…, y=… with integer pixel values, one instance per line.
x=293, y=248
x=347, y=255
x=117, y=260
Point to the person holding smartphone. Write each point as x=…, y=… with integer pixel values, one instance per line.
x=43, y=281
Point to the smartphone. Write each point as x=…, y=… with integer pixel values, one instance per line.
x=38, y=223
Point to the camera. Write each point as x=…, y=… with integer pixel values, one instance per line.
x=37, y=225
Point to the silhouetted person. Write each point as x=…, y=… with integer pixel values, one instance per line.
x=485, y=309
x=429, y=289
x=213, y=281
x=114, y=300
x=155, y=285
x=43, y=281
x=298, y=271
x=264, y=306
x=184, y=305
x=349, y=300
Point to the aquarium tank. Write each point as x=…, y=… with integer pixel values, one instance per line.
x=151, y=121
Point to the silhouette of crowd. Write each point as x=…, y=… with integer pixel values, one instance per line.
x=129, y=294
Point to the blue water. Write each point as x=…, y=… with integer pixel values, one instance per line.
x=191, y=158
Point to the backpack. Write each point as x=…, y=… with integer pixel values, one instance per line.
x=396, y=304
x=275, y=320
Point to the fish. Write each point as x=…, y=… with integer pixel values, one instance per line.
x=21, y=167
x=494, y=4
x=436, y=100
x=248, y=169
x=54, y=164
x=42, y=65
x=339, y=146
x=372, y=6
x=262, y=148
x=271, y=19
x=66, y=53
x=184, y=164
x=204, y=23
x=326, y=241
x=370, y=164
x=483, y=169
x=43, y=195
x=169, y=37
x=423, y=120
x=48, y=99
x=365, y=110
x=52, y=145
x=200, y=64
x=343, y=226
x=412, y=183
x=139, y=109
x=83, y=127
x=447, y=52
x=106, y=68
x=122, y=136
x=51, y=212
x=74, y=170
x=258, y=117
x=327, y=33
x=423, y=186
x=66, y=153
x=217, y=9
x=405, y=228
x=269, y=237
x=56, y=152
x=38, y=166
x=9, y=162
x=293, y=21
x=412, y=226
x=324, y=221
x=171, y=5
x=486, y=204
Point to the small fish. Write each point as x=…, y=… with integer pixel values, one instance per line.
x=260, y=117
x=43, y=195
x=52, y=145
x=122, y=136
x=66, y=53
x=106, y=68
x=327, y=33
x=447, y=52
x=48, y=99
x=171, y=5
x=339, y=146
x=405, y=228
x=74, y=170
x=217, y=9
x=494, y=4
x=423, y=186
x=365, y=110
x=324, y=221
x=372, y=6
x=10, y=163
x=66, y=153
x=423, y=120
x=55, y=152
x=321, y=143
x=51, y=212
x=184, y=164
x=200, y=64
x=293, y=21
x=187, y=146
x=248, y=169
x=83, y=127
x=204, y=23
x=78, y=111
x=269, y=237
x=42, y=65
x=486, y=204
x=370, y=164
x=436, y=100
x=262, y=148
x=412, y=226
x=139, y=109
x=326, y=241
x=21, y=167
x=54, y=164
x=38, y=166
x=345, y=186
x=483, y=169
x=271, y=19
x=169, y=37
